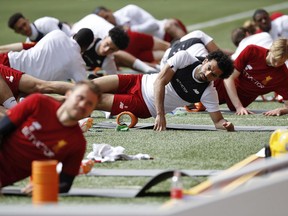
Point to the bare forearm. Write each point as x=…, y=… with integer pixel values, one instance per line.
x=11, y=47
x=159, y=89
x=160, y=120
x=232, y=93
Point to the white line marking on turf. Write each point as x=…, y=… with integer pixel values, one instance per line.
x=234, y=17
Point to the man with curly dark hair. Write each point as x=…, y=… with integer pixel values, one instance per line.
x=183, y=80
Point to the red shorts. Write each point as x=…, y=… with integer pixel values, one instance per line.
x=12, y=78
x=28, y=45
x=168, y=37
x=129, y=96
x=4, y=59
x=140, y=46
x=275, y=15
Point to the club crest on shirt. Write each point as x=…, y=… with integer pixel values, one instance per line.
x=266, y=80
x=59, y=145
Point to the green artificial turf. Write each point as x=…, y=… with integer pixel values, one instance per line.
x=172, y=149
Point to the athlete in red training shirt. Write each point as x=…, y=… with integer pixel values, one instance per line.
x=41, y=128
x=258, y=71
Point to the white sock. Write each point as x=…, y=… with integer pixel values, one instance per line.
x=10, y=102
x=143, y=67
x=107, y=114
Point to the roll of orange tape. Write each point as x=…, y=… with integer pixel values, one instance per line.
x=127, y=118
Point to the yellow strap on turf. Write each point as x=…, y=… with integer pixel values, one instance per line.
x=207, y=184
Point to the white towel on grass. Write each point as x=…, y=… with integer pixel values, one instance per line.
x=107, y=153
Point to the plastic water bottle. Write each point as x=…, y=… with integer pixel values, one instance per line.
x=176, y=186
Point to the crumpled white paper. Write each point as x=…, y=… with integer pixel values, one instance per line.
x=107, y=153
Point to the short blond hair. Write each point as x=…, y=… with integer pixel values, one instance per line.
x=279, y=48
